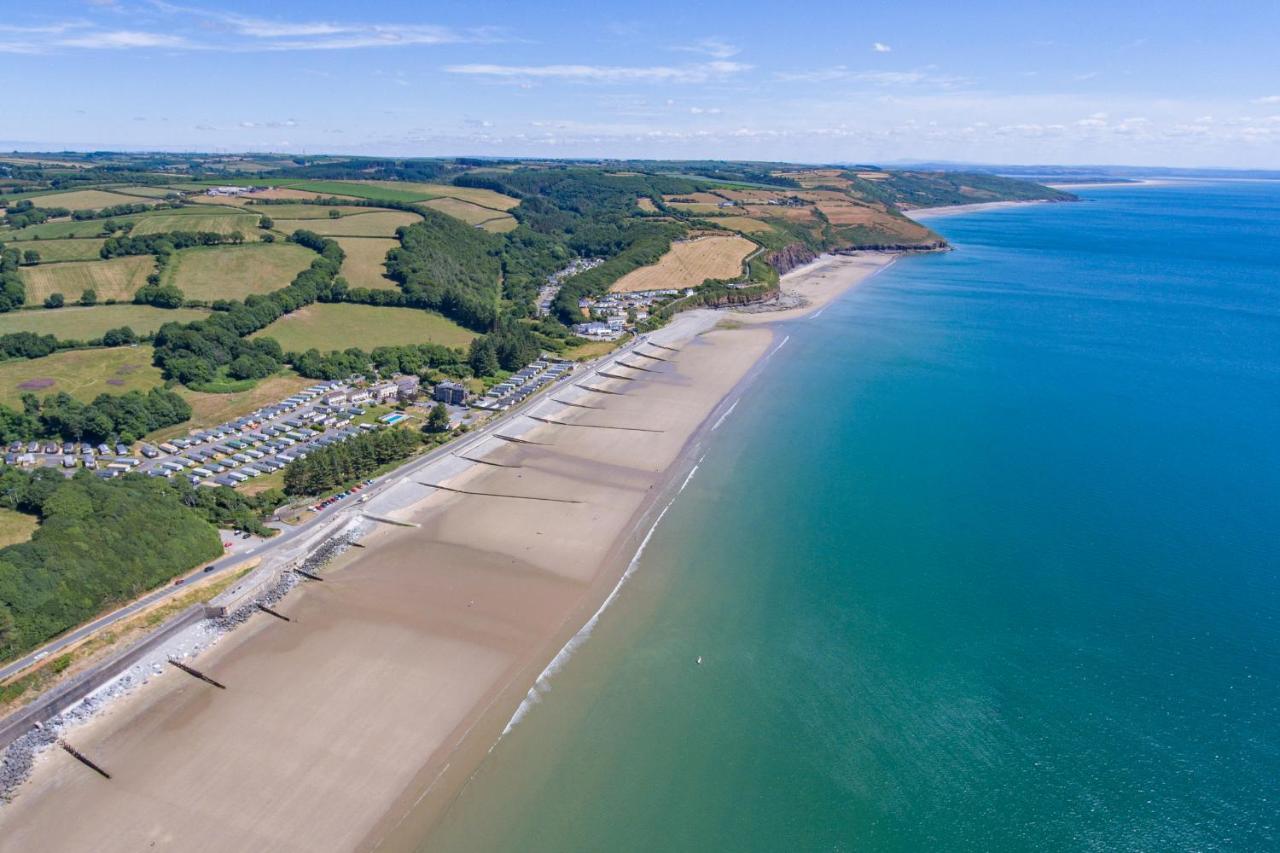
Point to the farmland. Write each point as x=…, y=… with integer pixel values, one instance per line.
x=64, y=250
x=117, y=279
x=646, y=204
x=234, y=272
x=61, y=229
x=363, y=266
x=379, y=223
x=83, y=324
x=218, y=223
x=472, y=214
x=82, y=200
x=500, y=224
x=327, y=327
x=480, y=197
x=745, y=224
x=689, y=263
x=305, y=211
x=84, y=374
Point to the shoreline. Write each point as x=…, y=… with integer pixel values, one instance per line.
x=457, y=675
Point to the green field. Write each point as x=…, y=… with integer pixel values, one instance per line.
x=328, y=327
x=62, y=229
x=118, y=278
x=500, y=224
x=83, y=324
x=234, y=272
x=84, y=374
x=199, y=220
x=472, y=214
x=378, y=223
x=472, y=195
x=363, y=266
x=64, y=250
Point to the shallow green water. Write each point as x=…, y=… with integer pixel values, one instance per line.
x=986, y=559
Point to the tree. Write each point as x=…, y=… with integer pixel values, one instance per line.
x=89, y=297
x=483, y=357
x=7, y=631
x=54, y=300
x=268, y=238
x=236, y=237
x=31, y=257
x=266, y=222
x=334, y=214
x=437, y=420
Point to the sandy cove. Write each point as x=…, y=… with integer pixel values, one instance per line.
x=355, y=725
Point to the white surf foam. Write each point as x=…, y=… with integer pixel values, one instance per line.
x=728, y=412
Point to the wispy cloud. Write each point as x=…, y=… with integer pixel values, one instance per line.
x=880, y=47
x=1269, y=99
x=699, y=73
x=888, y=79
x=122, y=40
x=716, y=48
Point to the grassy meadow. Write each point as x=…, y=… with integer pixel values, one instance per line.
x=83, y=200
x=82, y=324
x=84, y=374
x=218, y=223
x=330, y=326
x=65, y=250
x=117, y=278
x=363, y=266
x=16, y=527
x=234, y=272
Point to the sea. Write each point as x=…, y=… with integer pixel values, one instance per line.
x=987, y=558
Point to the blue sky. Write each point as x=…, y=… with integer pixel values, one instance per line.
x=1176, y=83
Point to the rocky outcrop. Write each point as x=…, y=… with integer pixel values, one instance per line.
x=789, y=257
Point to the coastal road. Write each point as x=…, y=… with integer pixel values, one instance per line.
x=269, y=547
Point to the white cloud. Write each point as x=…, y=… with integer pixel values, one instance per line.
x=716, y=48
x=1269, y=99
x=122, y=40
x=707, y=111
x=880, y=47
x=924, y=77
x=605, y=73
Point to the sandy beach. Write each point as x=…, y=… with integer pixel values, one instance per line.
x=354, y=725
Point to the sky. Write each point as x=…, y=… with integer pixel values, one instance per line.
x=1177, y=83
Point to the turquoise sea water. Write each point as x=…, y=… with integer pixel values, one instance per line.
x=988, y=558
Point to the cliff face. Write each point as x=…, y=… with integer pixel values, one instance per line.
x=789, y=257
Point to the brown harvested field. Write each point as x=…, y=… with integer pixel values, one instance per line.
x=305, y=211
x=646, y=204
x=696, y=198
x=145, y=192
x=472, y=214
x=689, y=263
x=382, y=223
x=803, y=213
x=873, y=176
x=64, y=250
x=500, y=224
x=117, y=278
x=697, y=208
x=234, y=272
x=481, y=197
x=849, y=214
x=745, y=224
x=212, y=409
x=363, y=266
x=82, y=200
x=818, y=177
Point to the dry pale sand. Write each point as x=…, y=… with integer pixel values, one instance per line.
x=333, y=726
x=808, y=289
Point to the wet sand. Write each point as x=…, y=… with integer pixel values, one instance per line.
x=354, y=725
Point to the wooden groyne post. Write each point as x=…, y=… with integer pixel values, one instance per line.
x=80, y=756
x=195, y=673
x=265, y=609
x=308, y=575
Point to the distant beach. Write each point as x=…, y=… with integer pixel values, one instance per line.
x=356, y=723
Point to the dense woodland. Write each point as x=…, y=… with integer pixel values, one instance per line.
x=123, y=417
x=347, y=461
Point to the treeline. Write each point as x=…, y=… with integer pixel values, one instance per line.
x=448, y=266
x=196, y=352
x=641, y=245
x=125, y=417
x=23, y=213
x=509, y=347
x=348, y=461
x=13, y=293
x=408, y=359
x=364, y=169
x=123, y=210
x=163, y=244
x=99, y=543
